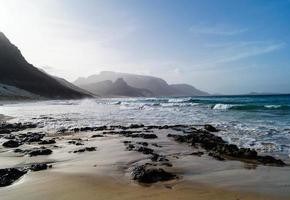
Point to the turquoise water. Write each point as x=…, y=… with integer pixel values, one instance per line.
x=260, y=122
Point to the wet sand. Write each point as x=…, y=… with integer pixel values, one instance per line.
x=106, y=173
x=53, y=185
x=4, y=118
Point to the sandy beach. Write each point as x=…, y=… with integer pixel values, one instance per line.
x=62, y=186
x=106, y=173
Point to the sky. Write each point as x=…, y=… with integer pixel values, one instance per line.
x=224, y=46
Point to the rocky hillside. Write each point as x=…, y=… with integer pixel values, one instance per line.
x=17, y=74
x=119, y=88
x=156, y=86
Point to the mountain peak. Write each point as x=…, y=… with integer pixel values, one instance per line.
x=4, y=39
x=16, y=72
x=120, y=81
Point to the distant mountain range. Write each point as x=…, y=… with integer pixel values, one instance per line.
x=119, y=88
x=21, y=80
x=134, y=85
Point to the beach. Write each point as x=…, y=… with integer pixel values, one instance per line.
x=78, y=150
x=49, y=185
x=106, y=172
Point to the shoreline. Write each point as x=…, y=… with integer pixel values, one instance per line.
x=57, y=185
x=100, y=162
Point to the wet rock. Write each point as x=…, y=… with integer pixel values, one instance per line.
x=143, y=143
x=269, y=160
x=130, y=147
x=158, y=158
x=149, y=174
x=100, y=128
x=31, y=137
x=63, y=130
x=127, y=133
x=167, y=164
x=85, y=149
x=145, y=150
x=210, y=128
x=39, y=151
x=18, y=151
x=9, y=128
x=216, y=156
x=52, y=141
x=148, y=136
x=156, y=145
x=198, y=153
x=221, y=150
x=76, y=130
x=76, y=142
x=97, y=135
x=136, y=126
x=38, y=167
x=11, y=144
x=10, y=175
x=10, y=137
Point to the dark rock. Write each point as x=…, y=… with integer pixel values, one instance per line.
x=18, y=150
x=269, y=160
x=40, y=151
x=31, y=137
x=97, y=135
x=130, y=147
x=10, y=175
x=158, y=158
x=143, y=143
x=39, y=167
x=156, y=145
x=76, y=130
x=221, y=150
x=145, y=150
x=76, y=142
x=9, y=128
x=136, y=126
x=210, y=128
x=149, y=136
x=126, y=142
x=11, y=144
x=198, y=153
x=10, y=137
x=52, y=141
x=216, y=156
x=146, y=174
x=85, y=149
x=63, y=130
x=167, y=164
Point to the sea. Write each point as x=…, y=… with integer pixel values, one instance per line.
x=259, y=122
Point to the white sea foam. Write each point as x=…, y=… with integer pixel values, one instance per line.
x=179, y=100
x=273, y=106
x=220, y=106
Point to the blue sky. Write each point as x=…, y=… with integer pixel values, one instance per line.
x=219, y=46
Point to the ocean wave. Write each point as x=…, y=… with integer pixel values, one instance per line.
x=273, y=106
x=220, y=106
x=179, y=100
x=179, y=104
x=249, y=107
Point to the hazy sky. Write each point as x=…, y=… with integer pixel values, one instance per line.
x=218, y=46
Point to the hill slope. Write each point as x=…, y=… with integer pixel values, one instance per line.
x=114, y=89
x=187, y=90
x=17, y=72
x=157, y=86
